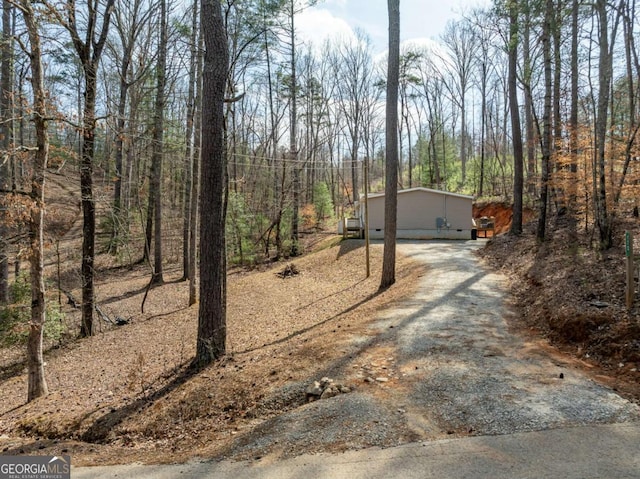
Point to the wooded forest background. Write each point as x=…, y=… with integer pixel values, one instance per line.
x=532, y=102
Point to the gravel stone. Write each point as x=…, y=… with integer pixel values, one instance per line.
x=464, y=372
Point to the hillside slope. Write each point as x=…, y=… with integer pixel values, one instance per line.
x=127, y=394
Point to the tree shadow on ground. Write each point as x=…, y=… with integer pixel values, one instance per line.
x=120, y=297
x=342, y=365
x=12, y=370
x=314, y=326
x=100, y=431
x=349, y=245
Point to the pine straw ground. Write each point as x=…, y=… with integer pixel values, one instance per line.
x=128, y=395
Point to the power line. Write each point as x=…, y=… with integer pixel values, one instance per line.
x=280, y=159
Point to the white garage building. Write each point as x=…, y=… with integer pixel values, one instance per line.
x=423, y=214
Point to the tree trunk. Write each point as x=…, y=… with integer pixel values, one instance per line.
x=37, y=385
x=195, y=179
x=391, y=167
x=89, y=52
x=4, y=263
x=273, y=150
x=547, y=133
x=354, y=163
x=463, y=137
x=119, y=155
x=518, y=166
x=151, y=203
x=573, y=117
x=128, y=30
x=603, y=220
x=6, y=135
x=158, y=147
x=88, y=203
x=483, y=125
x=409, y=150
x=558, y=192
x=293, y=143
x=212, y=329
x=528, y=107
x=631, y=61
x=189, y=156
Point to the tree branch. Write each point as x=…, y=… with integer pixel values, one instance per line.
x=235, y=98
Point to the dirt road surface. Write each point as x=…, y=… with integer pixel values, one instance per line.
x=439, y=366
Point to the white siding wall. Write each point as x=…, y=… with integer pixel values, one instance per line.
x=417, y=213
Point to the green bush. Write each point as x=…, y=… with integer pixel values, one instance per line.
x=108, y=240
x=240, y=227
x=20, y=289
x=322, y=202
x=14, y=318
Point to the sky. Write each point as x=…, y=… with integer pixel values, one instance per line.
x=419, y=19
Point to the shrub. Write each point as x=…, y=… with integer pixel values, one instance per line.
x=15, y=317
x=322, y=202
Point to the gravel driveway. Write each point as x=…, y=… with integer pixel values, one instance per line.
x=472, y=374
x=441, y=363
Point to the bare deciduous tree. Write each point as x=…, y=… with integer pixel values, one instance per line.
x=547, y=133
x=89, y=50
x=37, y=384
x=129, y=21
x=605, y=74
x=461, y=43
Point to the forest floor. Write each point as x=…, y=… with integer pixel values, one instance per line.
x=128, y=395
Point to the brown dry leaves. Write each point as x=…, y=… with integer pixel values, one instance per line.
x=128, y=391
